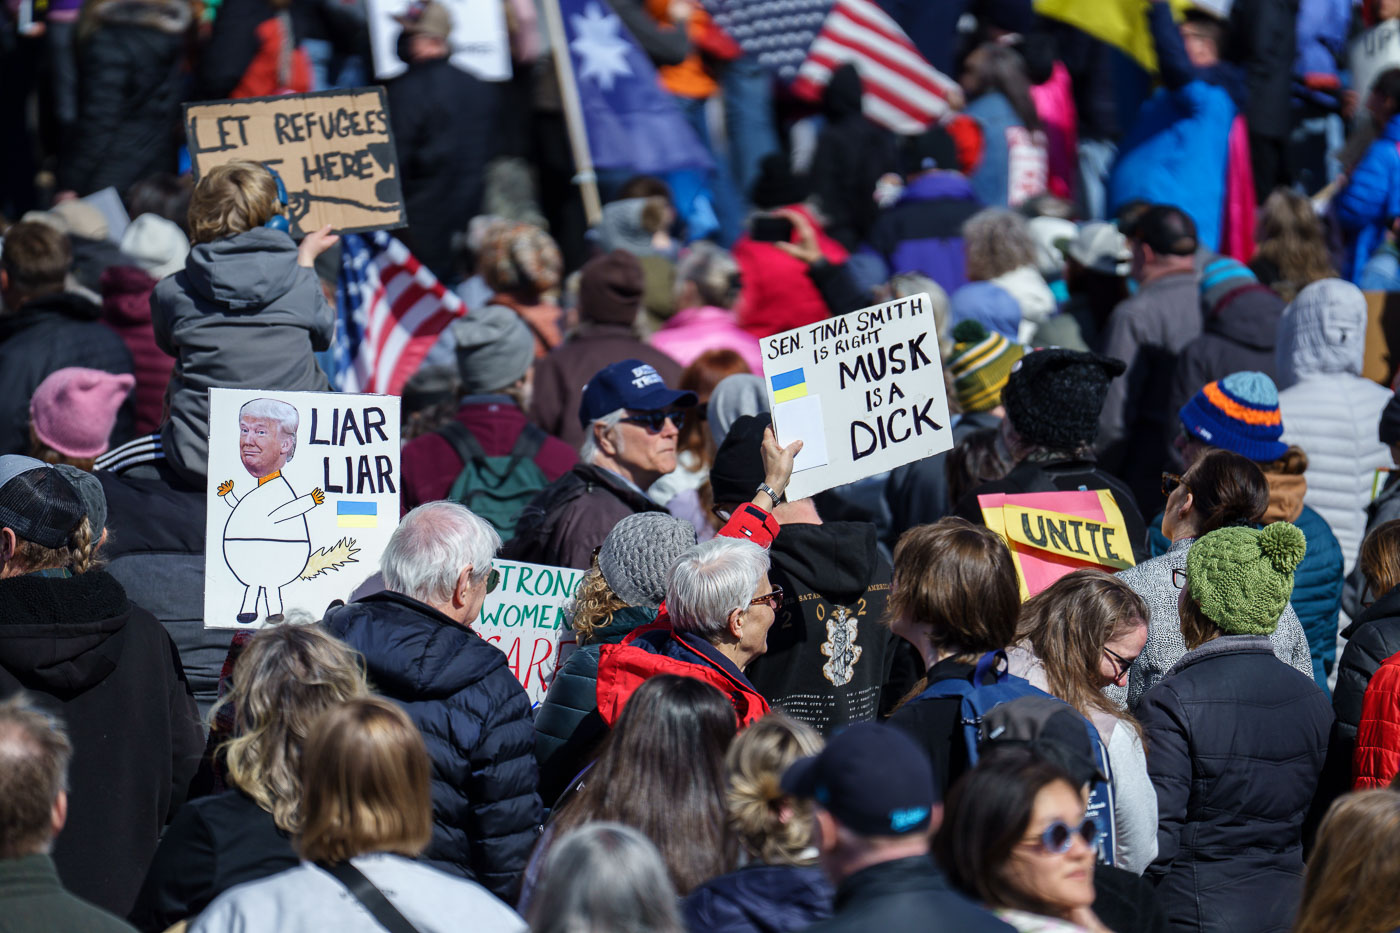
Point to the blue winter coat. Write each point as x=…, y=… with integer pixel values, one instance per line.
x=1178, y=148
x=995, y=114
x=1372, y=198
x=476, y=720
x=760, y=899
x=1317, y=587
x=1237, y=742
x=922, y=232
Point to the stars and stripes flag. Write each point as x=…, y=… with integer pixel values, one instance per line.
x=902, y=90
x=775, y=32
x=392, y=311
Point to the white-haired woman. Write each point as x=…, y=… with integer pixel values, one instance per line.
x=1000, y=250
x=707, y=283
x=605, y=878
x=420, y=651
x=720, y=605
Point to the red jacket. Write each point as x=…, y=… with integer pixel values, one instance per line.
x=1377, y=756
x=777, y=294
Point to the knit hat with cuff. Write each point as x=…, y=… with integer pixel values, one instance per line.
x=1238, y=413
x=980, y=365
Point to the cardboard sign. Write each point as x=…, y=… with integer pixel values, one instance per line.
x=333, y=149
x=1373, y=52
x=524, y=617
x=303, y=496
x=863, y=392
x=1051, y=534
x=480, y=43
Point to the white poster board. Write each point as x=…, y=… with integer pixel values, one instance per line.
x=303, y=496
x=863, y=392
x=480, y=43
x=524, y=617
x=1373, y=52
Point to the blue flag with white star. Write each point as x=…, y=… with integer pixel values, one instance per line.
x=632, y=122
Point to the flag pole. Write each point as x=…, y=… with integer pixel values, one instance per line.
x=584, y=176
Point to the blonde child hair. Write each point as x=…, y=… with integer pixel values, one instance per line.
x=232, y=198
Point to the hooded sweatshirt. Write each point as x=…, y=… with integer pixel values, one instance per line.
x=80, y=648
x=829, y=654
x=241, y=315
x=1329, y=409
x=1238, y=335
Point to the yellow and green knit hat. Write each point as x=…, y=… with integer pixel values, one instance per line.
x=1242, y=577
x=979, y=365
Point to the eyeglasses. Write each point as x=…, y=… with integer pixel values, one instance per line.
x=1121, y=665
x=773, y=598
x=1169, y=483
x=1059, y=836
x=655, y=421
x=493, y=580
x=1179, y=578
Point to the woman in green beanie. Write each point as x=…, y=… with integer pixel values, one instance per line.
x=1236, y=741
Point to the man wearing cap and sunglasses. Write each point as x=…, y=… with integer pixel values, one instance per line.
x=632, y=422
x=475, y=716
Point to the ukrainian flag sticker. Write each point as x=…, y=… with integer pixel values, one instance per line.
x=789, y=385
x=351, y=513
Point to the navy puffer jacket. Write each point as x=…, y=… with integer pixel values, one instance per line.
x=476, y=720
x=760, y=899
x=1237, y=743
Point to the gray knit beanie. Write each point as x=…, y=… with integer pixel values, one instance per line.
x=494, y=349
x=639, y=551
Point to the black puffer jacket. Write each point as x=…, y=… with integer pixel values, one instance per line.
x=46, y=335
x=475, y=718
x=1237, y=742
x=82, y=650
x=129, y=92
x=829, y=652
x=1373, y=637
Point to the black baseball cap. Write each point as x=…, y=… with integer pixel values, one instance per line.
x=1168, y=230
x=628, y=384
x=873, y=778
x=1051, y=729
x=36, y=502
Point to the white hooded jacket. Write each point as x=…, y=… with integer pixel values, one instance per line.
x=1329, y=409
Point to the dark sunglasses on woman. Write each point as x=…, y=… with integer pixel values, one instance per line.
x=1059, y=836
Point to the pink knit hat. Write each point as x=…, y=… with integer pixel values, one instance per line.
x=74, y=409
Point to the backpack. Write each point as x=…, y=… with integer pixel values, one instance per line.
x=496, y=488
x=992, y=686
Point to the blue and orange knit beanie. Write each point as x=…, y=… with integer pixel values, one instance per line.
x=1238, y=413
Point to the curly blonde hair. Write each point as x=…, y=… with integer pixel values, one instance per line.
x=756, y=762
x=231, y=198
x=593, y=606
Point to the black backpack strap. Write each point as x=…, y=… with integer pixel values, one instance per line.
x=528, y=443
x=371, y=897
x=463, y=441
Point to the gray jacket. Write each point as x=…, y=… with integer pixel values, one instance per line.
x=241, y=315
x=1152, y=580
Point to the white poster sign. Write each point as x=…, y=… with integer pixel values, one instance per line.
x=303, y=496
x=863, y=392
x=524, y=617
x=480, y=43
x=1376, y=50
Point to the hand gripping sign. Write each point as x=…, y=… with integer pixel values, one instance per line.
x=1051, y=534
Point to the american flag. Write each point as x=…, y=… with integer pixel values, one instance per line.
x=902, y=90
x=776, y=32
x=392, y=311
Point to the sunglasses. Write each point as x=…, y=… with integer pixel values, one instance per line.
x=1169, y=483
x=655, y=421
x=493, y=580
x=1059, y=836
x=774, y=599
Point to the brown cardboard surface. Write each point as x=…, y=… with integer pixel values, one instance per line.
x=1382, y=333
x=334, y=151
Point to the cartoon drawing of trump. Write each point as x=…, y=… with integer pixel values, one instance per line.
x=266, y=542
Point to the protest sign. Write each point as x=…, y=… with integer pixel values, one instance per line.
x=1374, y=51
x=334, y=151
x=480, y=43
x=863, y=392
x=1051, y=534
x=524, y=617
x=303, y=496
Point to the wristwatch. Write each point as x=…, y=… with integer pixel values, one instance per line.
x=777, y=498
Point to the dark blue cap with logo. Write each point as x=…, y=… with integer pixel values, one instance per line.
x=872, y=778
x=628, y=384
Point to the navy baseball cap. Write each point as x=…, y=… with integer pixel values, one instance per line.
x=628, y=384
x=872, y=778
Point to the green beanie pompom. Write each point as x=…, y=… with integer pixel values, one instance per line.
x=1242, y=578
x=969, y=331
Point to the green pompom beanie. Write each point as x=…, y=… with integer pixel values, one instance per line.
x=1242, y=578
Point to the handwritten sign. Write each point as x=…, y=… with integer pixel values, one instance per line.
x=1051, y=534
x=303, y=496
x=334, y=151
x=524, y=617
x=863, y=392
x=1373, y=52
x=480, y=43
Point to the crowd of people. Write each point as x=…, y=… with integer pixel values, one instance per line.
x=848, y=711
